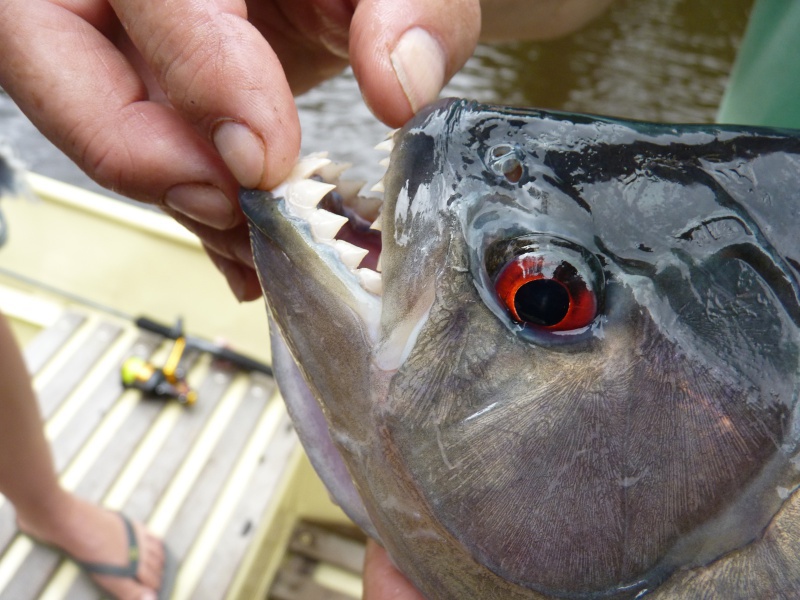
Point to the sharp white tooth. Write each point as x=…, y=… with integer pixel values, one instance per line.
x=300, y=211
x=367, y=206
x=325, y=224
x=349, y=188
x=378, y=224
x=386, y=145
x=370, y=281
x=379, y=266
x=384, y=162
x=307, y=193
x=279, y=191
x=333, y=171
x=308, y=165
x=378, y=187
x=390, y=134
x=350, y=254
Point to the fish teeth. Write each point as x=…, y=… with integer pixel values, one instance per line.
x=384, y=162
x=325, y=224
x=333, y=171
x=309, y=165
x=366, y=206
x=350, y=254
x=303, y=196
x=370, y=281
x=349, y=188
x=386, y=145
x=379, y=266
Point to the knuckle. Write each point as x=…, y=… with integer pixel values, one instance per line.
x=190, y=74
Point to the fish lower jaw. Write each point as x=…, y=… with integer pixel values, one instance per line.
x=338, y=215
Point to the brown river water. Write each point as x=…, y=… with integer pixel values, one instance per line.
x=654, y=60
x=658, y=60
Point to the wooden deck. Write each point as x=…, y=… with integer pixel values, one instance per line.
x=321, y=564
x=206, y=477
x=225, y=481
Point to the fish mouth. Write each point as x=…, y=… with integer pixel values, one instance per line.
x=318, y=238
x=340, y=221
x=316, y=241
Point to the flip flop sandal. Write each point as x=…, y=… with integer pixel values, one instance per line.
x=129, y=571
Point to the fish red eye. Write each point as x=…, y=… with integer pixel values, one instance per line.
x=546, y=293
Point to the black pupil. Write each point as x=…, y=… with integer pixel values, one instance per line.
x=542, y=302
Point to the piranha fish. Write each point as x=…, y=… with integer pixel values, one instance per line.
x=566, y=367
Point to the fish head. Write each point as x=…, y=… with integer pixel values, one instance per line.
x=580, y=376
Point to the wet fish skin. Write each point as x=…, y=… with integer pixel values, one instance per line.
x=641, y=453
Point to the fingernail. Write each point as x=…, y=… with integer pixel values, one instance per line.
x=242, y=151
x=419, y=63
x=204, y=203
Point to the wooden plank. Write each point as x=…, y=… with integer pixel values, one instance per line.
x=81, y=425
x=226, y=558
x=39, y=565
x=200, y=501
x=41, y=348
x=151, y=487
x=82, y=587
x=67, y=444
x=27, y=581
x=76, y=368
x=294, y=581
x=8, y=526
x=98, y=481
x=322, y=545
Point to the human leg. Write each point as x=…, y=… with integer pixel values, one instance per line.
x=44, y=509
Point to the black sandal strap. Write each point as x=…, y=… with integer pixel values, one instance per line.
x=128, y=570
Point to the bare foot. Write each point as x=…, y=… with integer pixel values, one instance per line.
x=90, y=533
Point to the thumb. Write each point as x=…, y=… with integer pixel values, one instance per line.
x=403, y=53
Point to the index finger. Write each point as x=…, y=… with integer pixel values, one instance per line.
x=220, y=73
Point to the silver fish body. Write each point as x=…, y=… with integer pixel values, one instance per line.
x=580, y=378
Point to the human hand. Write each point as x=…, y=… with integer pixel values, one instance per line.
x=178, y=103
x=382, y=581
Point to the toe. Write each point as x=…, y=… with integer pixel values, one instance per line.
x=151, y=559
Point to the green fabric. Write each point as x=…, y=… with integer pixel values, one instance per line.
x=764, y=88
